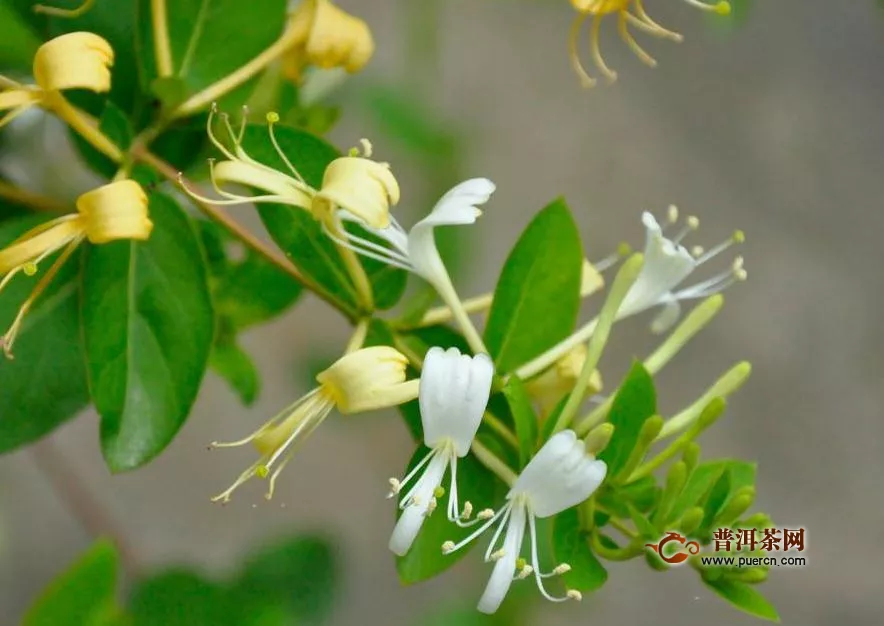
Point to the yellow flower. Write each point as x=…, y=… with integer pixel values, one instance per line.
x=109, y=213
x=364, y=188
x=326, y=36
x=78, y=60
x=629, y=13
x=548, y=388
x=364, y=380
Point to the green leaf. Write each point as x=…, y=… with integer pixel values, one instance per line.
x=45, y=385
x=209, y=39
x=634, y=403
x=84, y=594
x=299, y=573
x=697, y=488
x=744, y=597
x=524, y=417
x=234, y=365
x=180, y=598
x=19, y=40
x=148, y=325
x=571, y=546
x=538, y=293
x=425, y=559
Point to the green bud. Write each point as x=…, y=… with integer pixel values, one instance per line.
x=676, y=478
x=691, y=456
x=646, y=437
x=691, y=520
x=732, y=380
x=599, y=438
x=759, y=521
x=736, y=506
x=752, y=575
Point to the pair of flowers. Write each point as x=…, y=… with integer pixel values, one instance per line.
x=453, y=391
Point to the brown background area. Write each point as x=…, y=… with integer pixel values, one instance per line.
x=775, y=128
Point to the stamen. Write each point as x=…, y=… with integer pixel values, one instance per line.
x=573, y=40
x=497, y=555
x=275, y=475
x=722, y=7
x=439, y=492
x=273, y=118
x=367, y=148
x=532, y=528
x=210, y=131
x=395, y=487
x=697, y=251
x=596, y=51
x=273, y=421
x=467, y=510
x=524, y=572
x=672, y=214
x=243, y=120
x=485, y=514
x=398, y=484
x=573, y=594
x=29, y=268
x=659, y=30
x=623, y=250
x=497, y=535
x=691, y=223
x=625, y=35
x=224, y=496
x=450, y=546
x=365, y=247
x=431, y=507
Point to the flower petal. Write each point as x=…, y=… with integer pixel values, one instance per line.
x=413, y=515
x=505, y=567
x=454, y=391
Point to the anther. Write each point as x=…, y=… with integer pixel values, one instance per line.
x=573, y=594
x=262, y=471
x=214, y=107
x=524, y=572
x=485, y=514
x=693, y=222
x=431, y=507
x=562, y=568
x=739, y=236
x=272, y=117
x=672, y=214
x=499, y=554
x=439, y=492
x=366, y=148
x=29, y=268
x=447, y=547
x=395, y=487
x=467, y=510
x=697, y=251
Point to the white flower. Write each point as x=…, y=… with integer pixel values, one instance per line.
x=561, y=475
x=667, y=264
x=415, y=250
x=454, y=390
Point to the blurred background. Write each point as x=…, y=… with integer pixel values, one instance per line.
x=773, y=126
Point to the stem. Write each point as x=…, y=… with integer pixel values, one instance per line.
x=247, y=238
x=490, y=460
x=500, y=428
x=356, y=271
x=67, y=13
x=441, y=314
x=30, y=199
x=230, y=82
x=85, y=125
x=79, y=501
x=161, y=45
x=622, y=284
x=537, y=365
x=357, y=340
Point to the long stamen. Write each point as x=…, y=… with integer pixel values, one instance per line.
x=692, y=223
x=272, y=119
x=449, y=546
x=397, y=485
x=243, y=120
x=573, y=41
x=722, y=7
x=737, y=237
x=626, y=36
x=623, y=250
x=272, y=480
x=655, y=27
x=596, y=51
x=717, y=283
x=363, y=247
x=267, y=425
x=454, y=513
x=490, y=553
x=535, y=562
x=314, y=413
x=235, y=199
x=224, y=496
x=210, y=131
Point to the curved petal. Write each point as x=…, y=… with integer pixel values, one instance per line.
x=561, y=475
x=454, y=391
x=666, y=265
x=456, y=207
x=505, y=567
x=413, y=515
x=667, y=316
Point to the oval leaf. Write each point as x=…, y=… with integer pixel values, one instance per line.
x=524, y=417
x=537, y=297
x=744, y=597
x=634, y=403
x=148, y=325
x=571, y=546
x=82, y=594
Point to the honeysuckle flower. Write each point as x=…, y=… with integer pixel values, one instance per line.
x=363, y=380
x=326, y=36
x=629, y=13
x=364, y=188
x=108, y=213
x=667, y=264
x=79, y=60
x=549, y=387
x=561, y=475
x=454, y=391
x=415, y=250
